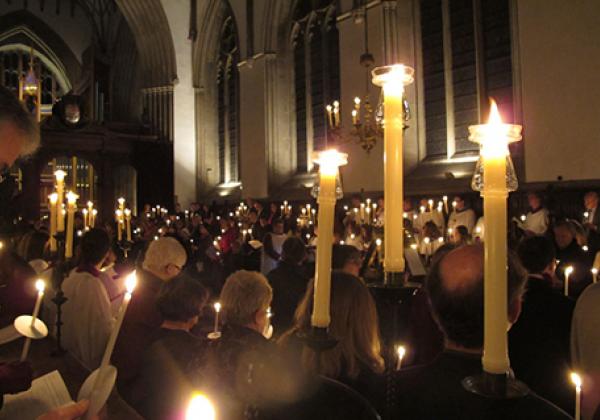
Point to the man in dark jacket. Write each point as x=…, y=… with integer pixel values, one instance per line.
x=435, y=391
x=539, y=340
x=289, y=282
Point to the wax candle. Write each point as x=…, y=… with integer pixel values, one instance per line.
x=401, y=351
x=60, y=184
x=71, y=205
x=85, y=212
x=393, y=79
x=430, y=203
x=568, y=272
x=40, y=286
x=217, y=307
x=494, y=138
x=94, y=214
x=328, y=162
x=576, y=379
x=130, y=283
x=119, y=216
x=445, y=200
x=329, y=109
x=127, y=213
x=53, y=198
x=594, y=274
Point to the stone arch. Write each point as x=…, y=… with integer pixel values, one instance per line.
x=22, y=27
x=205, y=57
x=150, y=28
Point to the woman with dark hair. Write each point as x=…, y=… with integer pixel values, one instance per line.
x=356, y=359
x=164, y=383
x=460, y=236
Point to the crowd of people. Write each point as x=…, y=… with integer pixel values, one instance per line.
x=260, y=359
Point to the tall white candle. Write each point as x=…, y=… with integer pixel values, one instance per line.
x=71, y=203
x=401, y=350
x=53, y=198
x=594, y=274
x=130, y=283
x=568, y=272
x=40, y=286
x=60, y=185
x=217, y=307
x=576, y=379
x=329, y=162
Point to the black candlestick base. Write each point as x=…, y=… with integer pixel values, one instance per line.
x=499, y=386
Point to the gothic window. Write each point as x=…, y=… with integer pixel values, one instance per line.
x=228, y=103
x=466, y=60
x=315, y=43
x=14, y=63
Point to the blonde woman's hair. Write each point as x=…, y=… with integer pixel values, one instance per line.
x=162, y=253
x=245, y=293
x=354, y=324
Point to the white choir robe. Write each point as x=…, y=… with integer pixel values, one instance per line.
x=87, y=318
x=433, y=216
x=464, y=218
x=479, y=232
x=537, y=222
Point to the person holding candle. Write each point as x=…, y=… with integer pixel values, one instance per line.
x=570, y=253
x=288, y=281
x=356, y=359
x=537, y=219
x=243, y=352
x=166, y=375
x=461, y=214
x=435, y=391
x=87, y=314
x=17, y=291
x=272, y=247
x=585, y=348
x=591, y=220
x=163, y=261
x=539, y=340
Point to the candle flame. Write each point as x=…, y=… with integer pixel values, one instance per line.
x=494, y=114
x=217, y=306
x=121, y=200
x=90, y=204
x=200, y=408
x=401, y=352
x=594, y=270
x=378, y=242
x=40, y=285
x=568, y=270
x=357, y=100
x=329, y=161
x=53, y=198
x=128, y=212
x=576, y=379
x=72, y=197
x=60, y=175
x=131, y=282
x=426, y=240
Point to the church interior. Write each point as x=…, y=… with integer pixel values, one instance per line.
x=199, y=182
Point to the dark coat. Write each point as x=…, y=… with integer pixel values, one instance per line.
x=539, y=342
x=289, y=284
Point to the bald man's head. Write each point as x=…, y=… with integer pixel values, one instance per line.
x=455, y=288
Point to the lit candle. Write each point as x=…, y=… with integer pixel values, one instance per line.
x=329, y=161
x=568, y=272
x=90, y=207
x=71, y=200
x=430, y=203
x=336, y=113
x=217, y=307
x=119, y=216
x=121, y=202
x=595, y=274
x=422, y=209
x=354, y=116
x=60, y=185
x=94, y=214
x=445, y=200
x=200, y=408
x=454, y=204
x=127, y=213
x=362, y=212
x=329, y=108
x=393, y=79
x=40, y=286
x=53, y=198
x=130, y=283
x=85, y=212
x=401, y=350
x=378, y=244
x=523, y=218
x=494, y=138
x=576, y=379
